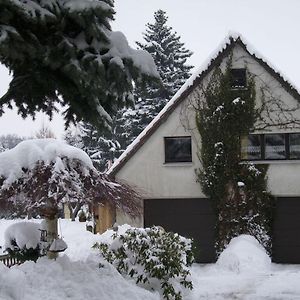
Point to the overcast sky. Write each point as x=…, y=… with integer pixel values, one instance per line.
x=271, y=26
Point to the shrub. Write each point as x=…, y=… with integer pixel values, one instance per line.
x=25, y=254
x=23, y=241
x=153, y=257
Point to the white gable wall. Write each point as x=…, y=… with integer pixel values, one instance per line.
x=147, y=171
x=283, y=176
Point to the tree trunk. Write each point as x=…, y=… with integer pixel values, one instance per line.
x=52, y=234
x=74, y=211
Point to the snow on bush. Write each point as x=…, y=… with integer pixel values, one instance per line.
x=156, y=259
x=22, y=234
x=27, y=153
x=22, y=240
x=244, y=253
x=40, y=176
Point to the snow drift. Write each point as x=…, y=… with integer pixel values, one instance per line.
x=65, y=279
x=244, y=253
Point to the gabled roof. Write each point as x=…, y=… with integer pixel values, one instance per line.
x=215, y=59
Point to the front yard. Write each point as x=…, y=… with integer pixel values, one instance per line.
x=243, y=273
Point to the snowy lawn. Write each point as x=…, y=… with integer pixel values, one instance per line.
x=242, y=272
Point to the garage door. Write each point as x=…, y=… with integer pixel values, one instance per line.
x=192, y=218
x=286, y=231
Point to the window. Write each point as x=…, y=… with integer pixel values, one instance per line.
x=294, y=141
x=238, y=78
x=274, y=146
x=178, y=149
x=251, y=147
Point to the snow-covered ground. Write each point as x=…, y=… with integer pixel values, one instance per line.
x=243, y=272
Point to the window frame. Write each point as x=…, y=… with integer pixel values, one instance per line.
x=286, y=146
x=167, y=160
x=289, y=150
x=263, y=147
x=232, y=70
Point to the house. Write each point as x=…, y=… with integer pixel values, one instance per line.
x=161, y=162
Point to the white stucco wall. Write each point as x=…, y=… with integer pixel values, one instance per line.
x=155, y=179
x=147, y=171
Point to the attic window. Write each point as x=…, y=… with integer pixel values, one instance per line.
x=238, y=78
x=178, y=149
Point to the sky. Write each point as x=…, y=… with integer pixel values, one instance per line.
x=270, y=26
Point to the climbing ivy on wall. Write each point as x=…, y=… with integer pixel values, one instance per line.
x=238, y=190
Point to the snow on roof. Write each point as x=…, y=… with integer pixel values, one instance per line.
x=27, y=153
x=229, y=39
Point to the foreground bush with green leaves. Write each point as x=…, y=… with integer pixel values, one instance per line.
x=156, y=259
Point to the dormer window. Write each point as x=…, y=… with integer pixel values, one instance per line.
x=238, y=78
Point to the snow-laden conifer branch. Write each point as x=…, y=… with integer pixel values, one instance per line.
x=64, y=51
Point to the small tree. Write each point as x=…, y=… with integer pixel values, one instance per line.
x=49, y=174
x=44, y=132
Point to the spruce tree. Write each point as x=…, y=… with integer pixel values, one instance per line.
x=170, y=57
x=65, y=52
x=101, y=146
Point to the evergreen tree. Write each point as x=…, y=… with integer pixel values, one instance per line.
x=170, y=57
x=73, y=136
x=101, y=147
x=238, y=191
x=65, y=52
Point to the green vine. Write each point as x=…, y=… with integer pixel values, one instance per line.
x=238, y=190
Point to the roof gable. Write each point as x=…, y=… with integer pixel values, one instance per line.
x=215, y=59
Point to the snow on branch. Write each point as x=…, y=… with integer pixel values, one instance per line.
x=64, y=51
x=41, y=175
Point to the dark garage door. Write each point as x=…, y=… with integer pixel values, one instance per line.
x=286, y=231
x=192, y=218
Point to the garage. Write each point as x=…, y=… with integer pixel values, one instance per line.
x=193, y=218
x=286, y=231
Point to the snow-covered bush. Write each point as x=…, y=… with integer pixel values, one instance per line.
x=23, y=241
x=156, y=259
x=40, y=176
